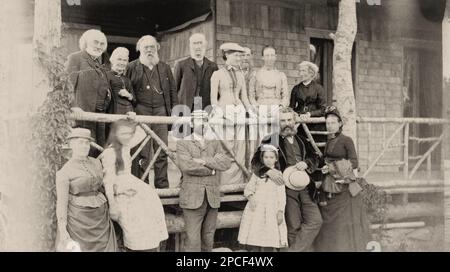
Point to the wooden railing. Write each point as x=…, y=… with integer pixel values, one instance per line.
x=402, y=131
x=233, y=192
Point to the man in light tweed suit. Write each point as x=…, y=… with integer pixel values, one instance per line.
x=199, y=159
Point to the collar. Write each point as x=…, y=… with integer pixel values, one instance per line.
x=118, y=74
x=306, y=83
x=334, y=135
x=197, y=137
x=269, y=69
x=230, y=67
x=83, y=159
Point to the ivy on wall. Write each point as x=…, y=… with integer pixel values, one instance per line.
x=49, y=128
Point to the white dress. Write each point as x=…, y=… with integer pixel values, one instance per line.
x=260, y=227
x=234, y=135
x=141, y=216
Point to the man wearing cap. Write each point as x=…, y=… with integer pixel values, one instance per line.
x=302, y=214
x=200, y=158
x=87, y=70
x=193, y=74
x=156, y=95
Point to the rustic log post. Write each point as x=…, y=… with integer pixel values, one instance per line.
x=446, y=94
x=406, y=151
x=342, y=69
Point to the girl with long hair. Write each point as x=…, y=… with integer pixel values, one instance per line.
x=133, y=203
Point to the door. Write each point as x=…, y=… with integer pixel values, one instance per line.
x=422, y=96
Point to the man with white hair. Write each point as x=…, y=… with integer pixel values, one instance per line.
x=156, y=95
x=193, y=74
x=123, y=95
x=87, y=70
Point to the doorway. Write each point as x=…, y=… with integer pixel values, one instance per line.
x=323, y=58
x=422, y=97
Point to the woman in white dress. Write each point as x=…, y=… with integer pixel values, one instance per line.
x=229, y=101
x=268, y=90
x=133, y=203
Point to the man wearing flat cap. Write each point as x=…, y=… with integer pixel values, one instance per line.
x=156, y=95
x=200, y=159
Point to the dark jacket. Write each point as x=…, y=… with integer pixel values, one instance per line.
x=310, y=157
x=135, y=71
x=88, y=78
x=186, y=81
x=200, y=179
x=311, y=98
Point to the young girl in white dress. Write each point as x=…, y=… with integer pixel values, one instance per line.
x=263, y=225
x=133, y=203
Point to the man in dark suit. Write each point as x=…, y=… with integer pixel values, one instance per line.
x=302, y=214
x=156, y=95
x=193, y=75
x=87, y=70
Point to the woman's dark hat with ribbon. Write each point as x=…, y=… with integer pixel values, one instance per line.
x=332, y=110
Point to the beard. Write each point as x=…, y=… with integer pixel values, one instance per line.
x=93, y=52
x=288, y=131
x=151, y=58
x=245, y=64
x=198, y=55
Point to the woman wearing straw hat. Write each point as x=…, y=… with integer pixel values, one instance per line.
x=229, y=101
x=345, y=224
x=81, y=207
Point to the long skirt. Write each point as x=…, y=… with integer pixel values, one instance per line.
x=345, y=225
x=142, y=216
x=92, y=228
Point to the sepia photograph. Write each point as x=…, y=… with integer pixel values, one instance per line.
x=237, y=127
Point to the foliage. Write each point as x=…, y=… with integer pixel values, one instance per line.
x=375, y=199
x=49, y=128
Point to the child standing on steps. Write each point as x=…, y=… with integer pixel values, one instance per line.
x=263, y=226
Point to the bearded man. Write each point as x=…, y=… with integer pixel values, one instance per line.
x=156, y=95
x=193, y=74
x=87, y=71
x=302, y=214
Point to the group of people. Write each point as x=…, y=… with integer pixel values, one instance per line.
x=297, y=200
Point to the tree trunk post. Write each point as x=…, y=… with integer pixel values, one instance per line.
x=446, y=98
x=342, y=72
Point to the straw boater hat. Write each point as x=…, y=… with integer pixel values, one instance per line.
x=80, y=133
x=232, y=47
x=295, y=179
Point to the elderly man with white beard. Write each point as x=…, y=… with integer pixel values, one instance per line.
x=193, y=74
x=87, y=70
x=156, y=95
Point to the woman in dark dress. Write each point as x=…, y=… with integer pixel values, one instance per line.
x=123, y=98
x=308, y=98
x=345, y=223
